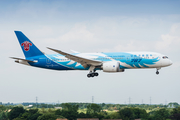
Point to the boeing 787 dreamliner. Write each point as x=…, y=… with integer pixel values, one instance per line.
x=108, y=62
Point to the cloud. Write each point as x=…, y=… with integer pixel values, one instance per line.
x=133, y=45
x=78, y=32
x=170, y=41
x=42, y=31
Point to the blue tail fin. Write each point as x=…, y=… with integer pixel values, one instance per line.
x=27, y=46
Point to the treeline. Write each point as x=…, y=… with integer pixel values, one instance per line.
x=112, y=107
x=104, y=106
x=70, y=112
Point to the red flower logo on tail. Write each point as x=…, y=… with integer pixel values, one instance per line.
x=26, y=45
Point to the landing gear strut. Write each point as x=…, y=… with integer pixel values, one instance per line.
x=157, y=72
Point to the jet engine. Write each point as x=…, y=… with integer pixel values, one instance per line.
x=112, y=66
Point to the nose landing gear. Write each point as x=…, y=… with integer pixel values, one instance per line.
x=157, y=72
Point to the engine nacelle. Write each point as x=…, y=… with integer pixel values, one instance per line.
x=112, y=66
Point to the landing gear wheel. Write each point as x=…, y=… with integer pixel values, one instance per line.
x=157, y=72
x=88, y=75
x=96, y=74
x=92, y=74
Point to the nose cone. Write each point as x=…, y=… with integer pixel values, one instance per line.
x=170, y=62
x=166, y=63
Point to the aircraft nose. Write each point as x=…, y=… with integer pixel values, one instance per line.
x=166, y=63
x=170, y=62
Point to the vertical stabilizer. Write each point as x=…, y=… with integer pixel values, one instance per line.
x=28, y=48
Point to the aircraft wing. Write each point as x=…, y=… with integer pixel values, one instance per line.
x=22, y=59
x=83, y=61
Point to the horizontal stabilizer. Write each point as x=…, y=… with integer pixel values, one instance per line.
x=23, y=59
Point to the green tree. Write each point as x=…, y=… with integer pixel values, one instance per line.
x=140, y=113
x=18, y=119
x=3, y=116
x=114, y=115
x=66, y=106
x=93, y=108
x=69, y=111
x=2, y=108
x=161, y=114
x=173, y=103
x=47, y=116
x=175, y=114
x=58, y=112
x=94, y=111
x=82, y=115
x=15, y=112
x=32, y=114
x=126, y=114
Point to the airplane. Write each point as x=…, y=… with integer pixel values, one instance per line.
x=111, y=62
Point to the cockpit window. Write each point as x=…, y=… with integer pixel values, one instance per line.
x=165, y=57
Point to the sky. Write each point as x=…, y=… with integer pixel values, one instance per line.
x=90, y=26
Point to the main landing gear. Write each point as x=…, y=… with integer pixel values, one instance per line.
x=92, y=74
